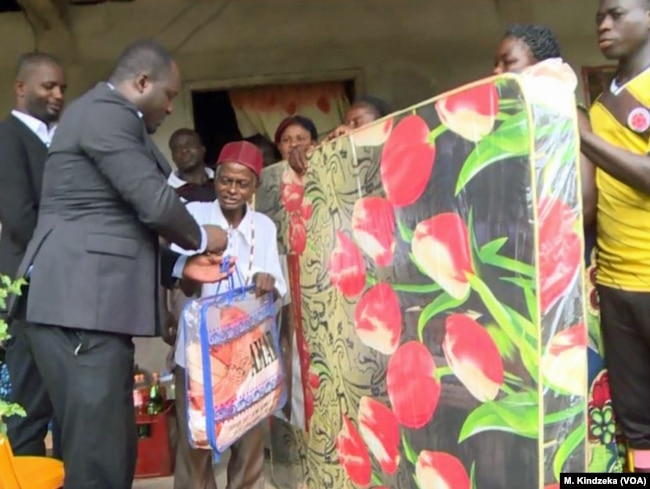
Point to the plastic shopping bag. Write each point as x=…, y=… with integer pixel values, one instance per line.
x=235, y=373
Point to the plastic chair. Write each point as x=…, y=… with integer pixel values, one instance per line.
x=28, y=472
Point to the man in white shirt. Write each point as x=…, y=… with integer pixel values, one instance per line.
x=24, y=138
x=252, y=239
x=192, y=180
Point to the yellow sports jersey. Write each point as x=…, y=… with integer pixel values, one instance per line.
x=622, y=118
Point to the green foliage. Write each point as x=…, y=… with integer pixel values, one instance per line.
x=7, y=288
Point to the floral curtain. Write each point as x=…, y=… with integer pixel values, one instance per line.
x=260, y=110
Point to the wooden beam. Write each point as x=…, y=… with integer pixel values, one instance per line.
x=45, y=15
x=49, y=22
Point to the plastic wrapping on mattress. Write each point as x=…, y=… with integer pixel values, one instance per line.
x=436, y=262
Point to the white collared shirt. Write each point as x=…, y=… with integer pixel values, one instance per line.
x=174, y=181
x=44, y=132
x=265, y=257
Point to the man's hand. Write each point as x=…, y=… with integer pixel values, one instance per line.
x=342, y=130
x=206, y=268
x=217, y=238
x=264, y=283
x=298, y=160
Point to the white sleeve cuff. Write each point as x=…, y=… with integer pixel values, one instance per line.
x=204, y=240
x=177, y=272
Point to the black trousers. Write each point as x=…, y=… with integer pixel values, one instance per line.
x=625, y=323
x=27, y=434
x=89, y=377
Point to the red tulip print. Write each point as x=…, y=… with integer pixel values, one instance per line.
x=307, y=375
x=373, y=228
x=306, y=209
x=309, y=405
x=413, y=389
x=297, y=234
x=564, y=363
x=292, y=191
x=441, y=248
x=380, y=431
x=378, y=319
x=473, y=356
x=441, y=470
x=353, y=454
x=303, y=351
x=470, y=113
x=373, y=134
x=313, y=383
x=313, y=379
x=560, y=250
x=346, y=267
x=407, y=161
x=600, y=395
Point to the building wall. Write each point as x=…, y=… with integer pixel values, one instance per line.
x=407, y=51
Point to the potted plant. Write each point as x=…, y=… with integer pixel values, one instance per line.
x=7, y=287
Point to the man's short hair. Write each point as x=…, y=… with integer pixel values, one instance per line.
x=540, y=39
x=28, y=61
x=183, y=131
x=148, y=57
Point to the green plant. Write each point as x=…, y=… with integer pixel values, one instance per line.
x=7, y=288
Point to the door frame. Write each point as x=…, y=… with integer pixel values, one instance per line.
x=356, y=75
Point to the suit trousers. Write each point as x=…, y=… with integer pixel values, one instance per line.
x=89, y=377
x=27, y=434
x=193, y=468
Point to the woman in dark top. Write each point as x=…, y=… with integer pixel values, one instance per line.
x=522, y=47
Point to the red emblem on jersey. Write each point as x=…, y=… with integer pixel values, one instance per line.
x=639, y=119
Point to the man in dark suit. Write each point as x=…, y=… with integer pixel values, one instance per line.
x=94, y=262
x=24, y=138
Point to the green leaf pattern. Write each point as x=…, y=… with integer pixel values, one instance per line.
x=503, y=298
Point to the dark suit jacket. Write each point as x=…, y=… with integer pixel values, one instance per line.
x=105, y=201
x=22, y=160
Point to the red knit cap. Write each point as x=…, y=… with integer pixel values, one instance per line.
x=244, y=153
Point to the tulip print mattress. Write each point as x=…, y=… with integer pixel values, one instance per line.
x=437, y=292
x=235, y=374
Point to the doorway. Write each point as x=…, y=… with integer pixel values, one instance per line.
x=216, y=120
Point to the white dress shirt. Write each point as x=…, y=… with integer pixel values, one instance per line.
x=265, y=253
x=174, y=181
x=37, y=126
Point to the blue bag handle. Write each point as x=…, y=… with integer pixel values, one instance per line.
x=226, y=297
x=233, y=291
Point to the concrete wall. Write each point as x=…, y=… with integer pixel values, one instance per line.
x=405, y=51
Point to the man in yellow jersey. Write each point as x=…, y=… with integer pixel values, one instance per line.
x=620, y=147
